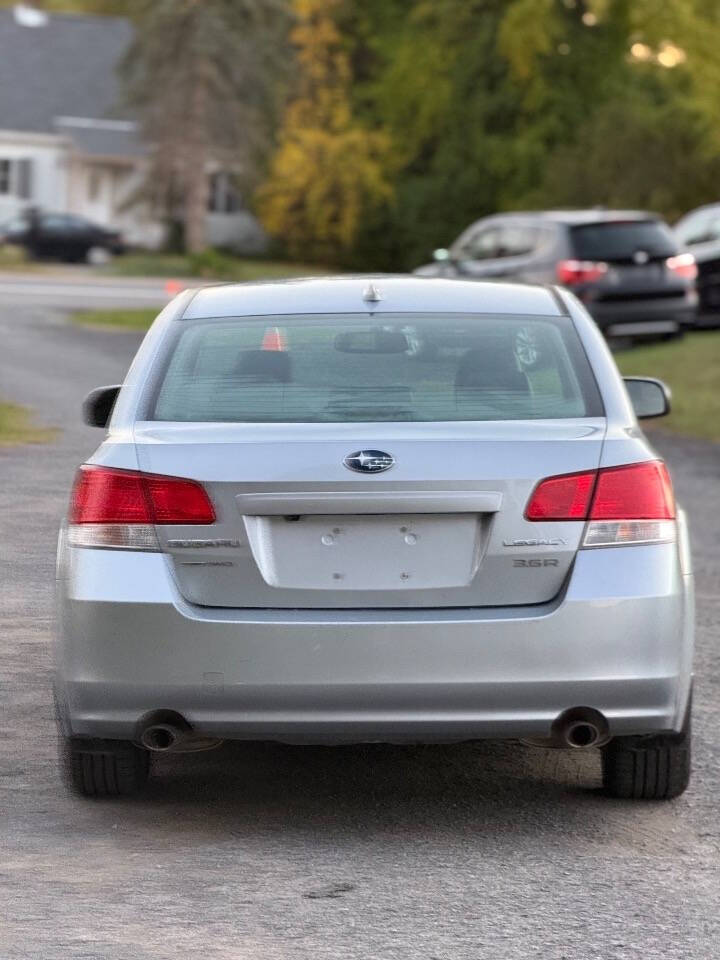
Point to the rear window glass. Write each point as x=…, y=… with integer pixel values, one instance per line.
x=621, y=240
x=392, y=368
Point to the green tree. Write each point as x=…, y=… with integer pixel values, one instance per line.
x=632, y=153
x=203, y=77
x=432, y=76
x=628, y=91
x=511, y=104
x=327, y=173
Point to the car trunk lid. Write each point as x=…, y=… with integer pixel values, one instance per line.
x=444, y=527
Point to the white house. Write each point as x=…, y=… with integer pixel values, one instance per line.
x=65, y=143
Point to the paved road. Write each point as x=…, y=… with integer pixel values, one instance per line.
x=80, y=287
x=378, y=853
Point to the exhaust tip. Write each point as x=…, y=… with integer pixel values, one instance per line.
x=162, y=730
x=582, y=734
x=160, y=737
x=581, y=728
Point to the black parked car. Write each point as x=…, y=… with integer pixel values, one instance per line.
x=627, y=267
x=61, y=236
x=699, y=231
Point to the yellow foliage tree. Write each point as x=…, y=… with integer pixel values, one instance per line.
x=327, y=171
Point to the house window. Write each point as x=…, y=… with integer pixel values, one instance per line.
x=16, y=177
x=5, y=170
x=223, y=197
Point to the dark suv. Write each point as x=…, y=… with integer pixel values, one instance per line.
x=627, y=267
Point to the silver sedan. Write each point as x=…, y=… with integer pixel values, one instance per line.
x=350, y=510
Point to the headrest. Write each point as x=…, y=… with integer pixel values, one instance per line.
x=264, y=366
x=491, y=367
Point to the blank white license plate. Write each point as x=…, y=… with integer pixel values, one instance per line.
x=398, y=552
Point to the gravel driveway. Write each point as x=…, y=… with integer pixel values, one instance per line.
x=492, y=851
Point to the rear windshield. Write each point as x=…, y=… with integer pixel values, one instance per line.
x=391, y=368
x=621, y=240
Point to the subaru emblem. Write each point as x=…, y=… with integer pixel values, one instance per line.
x=369, y=461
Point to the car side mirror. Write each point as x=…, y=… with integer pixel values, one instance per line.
x=649, y=397
x=98, y=405
x=441, y=255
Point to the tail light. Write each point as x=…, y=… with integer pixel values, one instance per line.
x=120, y=508
x=683, y=265
x=573, y=272
x=562, y=498
x=633, y=503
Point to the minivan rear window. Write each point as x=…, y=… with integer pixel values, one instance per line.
x=621, y=240
x=389, y=368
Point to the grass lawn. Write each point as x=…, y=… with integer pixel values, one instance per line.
x=210, y=265
x=15, y=258
x=115, y=319
x=16, y=427
x=691, y=368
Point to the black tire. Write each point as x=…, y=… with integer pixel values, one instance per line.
x=648, y=768
x=103, y=768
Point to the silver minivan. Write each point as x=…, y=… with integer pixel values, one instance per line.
x=396, y=509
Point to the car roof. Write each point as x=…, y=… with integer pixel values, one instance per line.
x=702, y=209
x=348, y=294
x=577, y=217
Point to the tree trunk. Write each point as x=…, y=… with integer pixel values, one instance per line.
x=196, y=176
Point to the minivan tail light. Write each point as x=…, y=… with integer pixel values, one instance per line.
x=683, y=265
x=632, y=503
x=120, y=508
x=573, y=272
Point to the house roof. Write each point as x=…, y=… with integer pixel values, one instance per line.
x=63, y=71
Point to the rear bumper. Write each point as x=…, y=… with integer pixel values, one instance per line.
x=654, y=316
x=619, y=640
